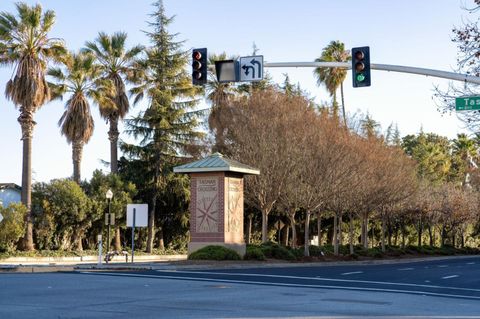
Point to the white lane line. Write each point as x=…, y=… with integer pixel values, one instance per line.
x=352, y=273
x=472, y=263
x=313, y=278
x=442, y=266
x=403, y=269
x=285, y=284
x=452, y=276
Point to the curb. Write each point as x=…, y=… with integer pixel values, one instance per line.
x=36, y=269
x=192, y=265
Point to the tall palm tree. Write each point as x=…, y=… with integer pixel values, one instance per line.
x=333, y=78
x=80, y=79
x=466, y=150
x=116, y=63
x=24, y=44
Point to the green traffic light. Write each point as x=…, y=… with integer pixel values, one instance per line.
x=360, y=77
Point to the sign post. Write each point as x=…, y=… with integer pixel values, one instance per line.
x=133, y=233
x=467, y=103
x=137, y=216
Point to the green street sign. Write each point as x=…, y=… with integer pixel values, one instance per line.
x=467, y=103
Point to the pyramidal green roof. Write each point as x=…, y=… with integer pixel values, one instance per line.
x=216, y=163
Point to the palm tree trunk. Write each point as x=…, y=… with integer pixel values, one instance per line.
x=77, y=150
x=151, y=225
x=335, y=234
x=306, y=251
x=351, y=233
x=264, y=226
x=291, y=217
x=249, y=228
x=118, y=242
x=383, y=232
x=343, y=105
x=27, y=124
x=319, y=228
x=113, y=137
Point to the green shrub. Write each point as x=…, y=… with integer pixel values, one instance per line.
x=214, y=253
x=273, y=250
x=315, y=251
x=254, y=253
x=375, y=252
x=299, y=253
x=12, y=226
x=327, y=249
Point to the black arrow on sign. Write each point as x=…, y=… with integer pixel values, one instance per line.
x=259, y=67
x=247, y=69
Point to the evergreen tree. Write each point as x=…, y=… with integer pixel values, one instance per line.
x=167, y=129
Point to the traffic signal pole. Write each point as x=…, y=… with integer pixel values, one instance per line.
x=382, y=67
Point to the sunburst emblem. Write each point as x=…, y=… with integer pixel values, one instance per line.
x=207, y=213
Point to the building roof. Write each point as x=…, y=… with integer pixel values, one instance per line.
x=10, y=186
x=216, y=163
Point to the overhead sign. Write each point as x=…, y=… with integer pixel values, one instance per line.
x=140, y=211
x=251, y=68
x=467, y=103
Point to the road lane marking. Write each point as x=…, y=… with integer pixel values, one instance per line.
x=314, y=278
x=442, y=266
x=352, y=273
x=263, y=283
x=409, y=268
x=472, y=263
x=452, y=276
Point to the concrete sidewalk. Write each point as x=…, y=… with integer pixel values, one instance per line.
x=55, y=264
x=180, y=262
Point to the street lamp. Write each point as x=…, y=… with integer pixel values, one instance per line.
x=109, y=196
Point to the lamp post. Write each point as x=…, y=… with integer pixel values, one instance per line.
x=109, y=196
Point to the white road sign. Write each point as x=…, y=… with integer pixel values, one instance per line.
x=251, y=68
x=1, y=218
x=141, y=215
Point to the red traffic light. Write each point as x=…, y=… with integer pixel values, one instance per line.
x=199, y=66
x=196, y=55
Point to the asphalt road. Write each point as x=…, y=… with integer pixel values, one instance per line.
x=432, y=288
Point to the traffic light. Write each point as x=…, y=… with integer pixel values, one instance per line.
x=199, y=66
x=361, y=66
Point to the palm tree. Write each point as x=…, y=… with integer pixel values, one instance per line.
x=24, y=44
x=81, y=80
x=116, y=63
x=466, y=150
x=333, y=78
x=369, y=127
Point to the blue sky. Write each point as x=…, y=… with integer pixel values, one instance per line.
x=409, y=32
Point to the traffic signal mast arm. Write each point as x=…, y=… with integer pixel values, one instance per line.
x=383, y=67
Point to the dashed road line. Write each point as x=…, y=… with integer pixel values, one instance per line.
x=442, y=266
x=404, y=269
x=452, y=276
x=471, y=263
x=352, y=273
